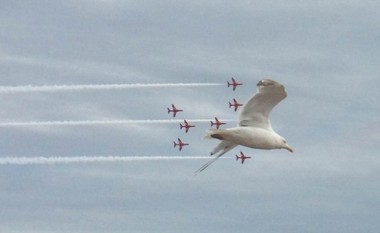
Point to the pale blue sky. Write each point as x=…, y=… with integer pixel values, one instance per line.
x=326, y=53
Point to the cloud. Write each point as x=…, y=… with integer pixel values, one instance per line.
x=325, y=53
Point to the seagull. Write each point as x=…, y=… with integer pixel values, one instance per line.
x=254, y=129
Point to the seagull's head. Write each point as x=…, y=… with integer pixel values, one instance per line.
x=284, y=145
x=269, y=84
x=264, y=82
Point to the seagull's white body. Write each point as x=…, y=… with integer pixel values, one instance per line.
x=249, y=136
x=254, y=129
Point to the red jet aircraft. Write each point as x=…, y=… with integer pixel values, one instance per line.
x=174, y=110
x=235, y=104
x=242, y=157
x=180, y=144
x=234, y=84
x=217, y=123
x=187, y=126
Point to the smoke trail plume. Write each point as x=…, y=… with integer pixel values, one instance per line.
x=88, y=87
x=88, y=159
x=97, y=122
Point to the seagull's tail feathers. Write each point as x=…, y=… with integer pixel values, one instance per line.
x=208, y=134
x=223, y=148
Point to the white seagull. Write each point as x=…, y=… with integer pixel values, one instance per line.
x=254, y=129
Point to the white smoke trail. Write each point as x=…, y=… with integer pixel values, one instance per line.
x=88, y=159
x=87, y=87
x=99, y=122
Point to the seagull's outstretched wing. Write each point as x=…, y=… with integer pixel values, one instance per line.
x=255, y=112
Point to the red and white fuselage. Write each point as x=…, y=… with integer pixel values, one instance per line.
x=242, y=157
x=217, y=123
x=235, y=104
x=180, y=144
x=233, y=83
x=174, y=110
x=186, y=126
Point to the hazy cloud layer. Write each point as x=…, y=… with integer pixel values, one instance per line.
x=326, y=53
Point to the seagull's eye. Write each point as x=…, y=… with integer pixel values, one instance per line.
x=284, y=140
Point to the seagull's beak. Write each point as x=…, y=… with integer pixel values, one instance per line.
x=289, y=148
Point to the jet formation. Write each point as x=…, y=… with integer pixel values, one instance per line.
x=214, y=124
